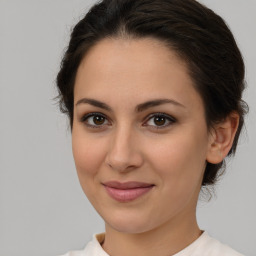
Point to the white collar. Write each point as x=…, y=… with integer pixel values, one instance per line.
x=94, y=246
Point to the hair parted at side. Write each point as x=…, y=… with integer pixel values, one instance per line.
x=197, y=34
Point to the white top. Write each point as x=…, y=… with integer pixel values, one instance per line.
x=203, y=246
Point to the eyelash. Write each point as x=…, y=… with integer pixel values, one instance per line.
x=171, y=120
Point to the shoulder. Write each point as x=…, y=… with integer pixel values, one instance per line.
x=93, y=248
x=206, y=245
x=213, y=247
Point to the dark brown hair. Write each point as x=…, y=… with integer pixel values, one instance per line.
x=197, y=34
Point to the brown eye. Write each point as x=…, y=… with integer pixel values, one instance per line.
x=94, y=120
x=98, y=120
x=159, y=120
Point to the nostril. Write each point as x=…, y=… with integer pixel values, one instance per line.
x=123, y=156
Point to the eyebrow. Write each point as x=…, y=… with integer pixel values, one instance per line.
x=139, y=108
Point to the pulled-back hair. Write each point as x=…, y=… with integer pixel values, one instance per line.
x=198, y=35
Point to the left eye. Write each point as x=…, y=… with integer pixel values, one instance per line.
x=94, y=120
x=160, y=120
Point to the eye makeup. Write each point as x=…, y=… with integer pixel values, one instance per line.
x=157, y=120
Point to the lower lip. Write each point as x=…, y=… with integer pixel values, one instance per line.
x=126, y=195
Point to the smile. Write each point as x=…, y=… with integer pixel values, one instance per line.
x=128, y=191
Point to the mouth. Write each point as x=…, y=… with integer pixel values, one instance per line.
x=128, y=191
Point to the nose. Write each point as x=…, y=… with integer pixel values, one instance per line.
x=124, y=152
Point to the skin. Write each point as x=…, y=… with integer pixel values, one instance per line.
x=127, y=146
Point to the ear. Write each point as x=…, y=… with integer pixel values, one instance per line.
x=221, y=138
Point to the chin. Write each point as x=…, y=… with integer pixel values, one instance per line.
x=129, y=228
x=129, y=224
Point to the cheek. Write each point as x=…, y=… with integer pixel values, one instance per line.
x=179, y=165
x=180, y=160
x=88, y=156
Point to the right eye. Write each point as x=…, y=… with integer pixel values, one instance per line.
x=94, y=120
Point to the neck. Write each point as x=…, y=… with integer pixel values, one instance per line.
x=165, y=240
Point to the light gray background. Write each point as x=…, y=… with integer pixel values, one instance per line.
x=43, y=210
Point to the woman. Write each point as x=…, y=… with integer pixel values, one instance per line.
x=153, y=93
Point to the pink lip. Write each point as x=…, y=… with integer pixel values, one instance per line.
x=128, y=191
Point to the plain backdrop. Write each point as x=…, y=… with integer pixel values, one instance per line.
x=43, y=210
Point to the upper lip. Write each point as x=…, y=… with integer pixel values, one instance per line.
x=127, y=185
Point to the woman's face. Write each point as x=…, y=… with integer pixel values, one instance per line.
x=138, y=119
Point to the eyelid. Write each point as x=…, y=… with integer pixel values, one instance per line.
x=91, y=114
x=171, y=119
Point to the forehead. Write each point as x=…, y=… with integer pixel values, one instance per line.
x=132, y=56
x=137, y=69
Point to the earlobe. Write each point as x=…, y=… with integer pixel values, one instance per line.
x=221, y=138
